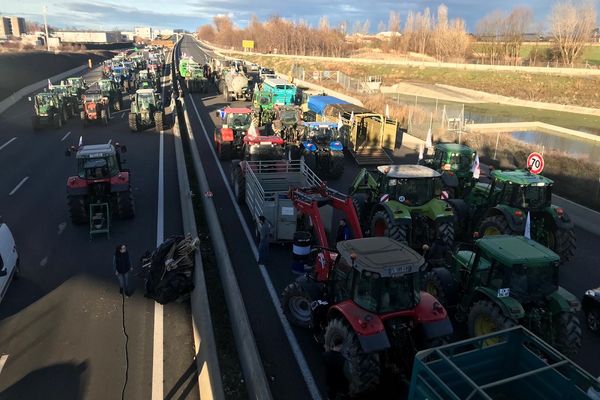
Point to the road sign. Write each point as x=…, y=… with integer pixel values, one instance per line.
x=535, y=163
x=248, y=44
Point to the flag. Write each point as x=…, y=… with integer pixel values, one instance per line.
x=80, y=140
x=387, y=111
x=429, y=140
x=528, y=226
x=50, y=86
x=476, y=169
x=256, y=87
x=340, y=121
x=352, y=118
x=421, y=152
x=252, y=130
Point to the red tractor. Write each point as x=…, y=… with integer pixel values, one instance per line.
x=100, y=179
x=95, y=108
x=365, y=296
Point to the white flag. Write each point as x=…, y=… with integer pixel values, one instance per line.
x=252, y=130
x=352, y=118
x=421, y=152
x=476, y=168
x=256, y=87
x=429, y=140
x=50, y=86
x=528, y=226
x=387, y=111
x=80, y=140
x=340, y=121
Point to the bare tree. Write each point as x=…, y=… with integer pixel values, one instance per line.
x=394, y=22
x=381, y=26
x=356, y=27
x=366, y=27
x=515, y=27
x=572, y=25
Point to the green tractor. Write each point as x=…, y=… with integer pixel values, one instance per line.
x=183, y=64
x=48, y=111
x=502, y=206
x=78, y=83
x=68, y=97
x=403, y=202
x=455, y=163
x=505, y=281
x=146, y=111
x=287, y=124
x=263, y=108
x=111, y=90
x=195, y=79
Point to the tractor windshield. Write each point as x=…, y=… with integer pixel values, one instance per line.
x=289, y=117
x=533, y=197
x=97, y=168
x=385, y=295
x=145, y=101
x=105, y=86
x=239, y=121
x=414, y=191
x=43, y=101
x=321, y=135
x=525, y=283
x=460, y=162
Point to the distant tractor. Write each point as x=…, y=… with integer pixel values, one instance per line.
x=48, y=111
x=506, y=281
x=229, y=138
x=320, y=146
x=235, y=87
x=591, y=308
x=111, y=90
x=502, y=206
x=403, y=202
x=95, y=108
x=100, y=179
x=146, y=111
x=455, y=163
x=68, y=96
x=194, y=79
x=78, y=83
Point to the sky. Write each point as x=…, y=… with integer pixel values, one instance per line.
x=189, y=14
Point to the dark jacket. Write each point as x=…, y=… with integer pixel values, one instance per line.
x=343, y=233
x=121, y=262
x=337, y=384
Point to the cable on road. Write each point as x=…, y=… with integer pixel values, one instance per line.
x=126, y=351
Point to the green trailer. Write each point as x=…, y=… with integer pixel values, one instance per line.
x=518, y=366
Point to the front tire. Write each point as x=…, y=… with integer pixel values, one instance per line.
x=295, y=302
x=568, y=334
x=486, y=317
x=564, y=244
x=445, y=231
x=494, y=225
x=362, y=369
x=383, y=225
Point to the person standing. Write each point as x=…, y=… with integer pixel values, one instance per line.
x=264, y=231
x=343, y=231
x=122, y=267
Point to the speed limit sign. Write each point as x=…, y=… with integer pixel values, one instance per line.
x=535, y=163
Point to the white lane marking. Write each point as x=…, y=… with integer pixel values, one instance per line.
x=44, y=262
x=19, y=185
x=61, y=227
x=157, y=345
x=66, y=136
x=3, y=361
x=7, y=143
x=122, y=115
x=302, y=364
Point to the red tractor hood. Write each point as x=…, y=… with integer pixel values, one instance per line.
x=274, y=140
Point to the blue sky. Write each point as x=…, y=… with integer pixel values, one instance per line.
x=189, y=14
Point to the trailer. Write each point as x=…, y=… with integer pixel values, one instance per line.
x=510, y=364
x=265, y=185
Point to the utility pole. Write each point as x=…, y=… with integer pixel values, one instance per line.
x=46, y=27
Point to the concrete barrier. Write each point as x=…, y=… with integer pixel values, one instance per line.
x=18, y=95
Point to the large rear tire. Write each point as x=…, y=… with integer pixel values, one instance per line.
x=567, y=331
x=125, y=204
x=445, y=231
x=78, y=209
x=239, y=184
x=486, y=317
x=133, y=125
x=494, y=225
x=159, y=121
x=295, y=302
x=564, y=244
x=362, y=369
x=224, y=150
x=310, y=160
x=383, y=225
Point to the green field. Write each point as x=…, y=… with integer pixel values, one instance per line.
x=590, y=54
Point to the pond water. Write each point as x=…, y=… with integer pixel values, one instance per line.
x=549, y=141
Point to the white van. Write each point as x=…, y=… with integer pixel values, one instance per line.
x=9, y=259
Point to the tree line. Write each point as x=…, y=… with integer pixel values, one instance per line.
x=497, y=39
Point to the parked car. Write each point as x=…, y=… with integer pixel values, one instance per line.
x=590, y=304
x=9, y=259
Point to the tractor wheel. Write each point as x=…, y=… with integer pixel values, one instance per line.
x=383, y=225
x=494, y=225
x=361, y=369
x=133, y=124
x=592, y=319
x=239, y=184
x=104, y=117
x=486, y=317
x=567, y=334
x=78, y=210
x=562, y=243
x=445, y=231
x=337, y=167
x=125, y=204
x=159, y=121
x=82, y=115
x=224, y=150
x=295, y=302
x=440, y=284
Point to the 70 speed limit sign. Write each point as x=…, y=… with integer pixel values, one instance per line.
x=535, y=163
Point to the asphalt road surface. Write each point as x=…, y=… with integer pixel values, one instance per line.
x=282, y=364
x=61, y=322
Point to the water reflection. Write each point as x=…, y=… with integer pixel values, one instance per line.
x=572, y=146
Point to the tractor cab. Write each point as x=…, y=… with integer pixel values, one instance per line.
x=146, y=83
x=322, y=133
x=107, y=86
x=379, y=275
x=93, y=95
x=455, y=163
x=238, y=119
x=412, y=185
x=62, y=91
x=143, y=74
x=98, y=162
x=146, y=100
x=77, y=83
x=520, y=189
x=45, y=101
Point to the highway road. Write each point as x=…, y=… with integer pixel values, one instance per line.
x=61, y=322
x=300, y=374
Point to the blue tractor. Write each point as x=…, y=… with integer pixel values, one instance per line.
x=321, y=148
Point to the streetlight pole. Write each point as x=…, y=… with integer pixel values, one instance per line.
x=46, y=27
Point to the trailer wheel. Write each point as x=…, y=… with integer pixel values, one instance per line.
x=486, y=317
x=239, y=184
x=361, y=369
x=567, y=331
x=78, y=209
x=125, y=204
x=295, y=302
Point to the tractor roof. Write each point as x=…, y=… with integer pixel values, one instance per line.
x=521, y=177
x=382, y=255
x=45, y=94
x=238, y=110
x=511, y=250
x=407, y=171
x=454, y=148
x=145, y=91
x=277, y=81
x=96, y=151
